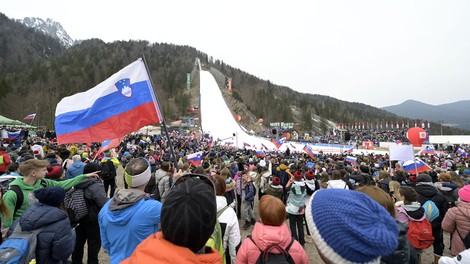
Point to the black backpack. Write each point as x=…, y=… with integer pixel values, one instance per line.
x=267, y=256
x=108, y=171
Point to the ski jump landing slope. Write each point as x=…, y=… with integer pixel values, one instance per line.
x=218, y=121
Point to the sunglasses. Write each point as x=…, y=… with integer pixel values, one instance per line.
x=201, y=177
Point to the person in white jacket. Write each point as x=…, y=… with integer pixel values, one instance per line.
x=228, y=221
x=336, y=181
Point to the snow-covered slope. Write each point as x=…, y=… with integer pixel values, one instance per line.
x=49, y=27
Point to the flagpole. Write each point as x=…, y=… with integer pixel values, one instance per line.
x=163, y=120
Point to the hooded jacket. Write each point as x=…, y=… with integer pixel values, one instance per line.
x=95, y=197
x=282, y=174
x=412, y=211
x=457, y=217
x=155, y=249
x=28, y=197
x=75, y=169
x=264, y=181
x=337, y=184
x=230, y=229
x=125, y=221
x=56, y=240
x=427, y=191
x=297, y=192
x=264, y=236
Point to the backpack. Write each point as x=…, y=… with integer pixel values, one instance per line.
x=267, y=256
x=430, y=210
x=20, y=195
x=465, y=240
x=420, y=233
x=1, y=160
x=76, y=204
x=108, y=171
x=215, y=241
x=20, y=247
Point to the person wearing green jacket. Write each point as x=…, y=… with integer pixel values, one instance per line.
x=34, y=172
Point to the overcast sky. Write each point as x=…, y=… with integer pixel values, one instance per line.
x=379, y=53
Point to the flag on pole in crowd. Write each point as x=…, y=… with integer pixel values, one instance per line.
x=260, y=154
x=309, y=152
x=416, y=165
x=195, y=159
x=109, y=144
x=121, y=104
x=30, y=117
x=276, y=143
x=246, y=145
x=461, y=152
x=263, y=146
x=351, y=159
x=292, y=146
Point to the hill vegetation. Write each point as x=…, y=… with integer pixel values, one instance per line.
x=37, y=72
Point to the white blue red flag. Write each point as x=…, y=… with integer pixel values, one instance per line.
x=121, y=104
x=109, y=144
x=351, y=159
x=260, y=154
x=411, y=166
x=309, y=152
x=276, y=143
x=30, y=117
x=195, y=159
x=462, y=152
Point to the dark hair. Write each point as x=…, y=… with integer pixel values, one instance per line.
x=409, y=194
x=137, y=166
x=220, y=185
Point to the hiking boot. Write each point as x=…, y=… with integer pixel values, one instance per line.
x=246, y=225
x=253, y=221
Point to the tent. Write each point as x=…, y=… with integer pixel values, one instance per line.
x=5, y=121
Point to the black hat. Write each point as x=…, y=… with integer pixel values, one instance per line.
x=189, y=214
x=364, y=168
x=424, y=178
x=52, y=196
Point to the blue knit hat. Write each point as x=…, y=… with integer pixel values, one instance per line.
x=349, y=227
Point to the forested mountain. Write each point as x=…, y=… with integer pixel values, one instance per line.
x=36, y=72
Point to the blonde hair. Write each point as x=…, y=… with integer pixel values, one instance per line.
x=394, y=187
x=33, y=164
x=272, y=210
x=3, y=208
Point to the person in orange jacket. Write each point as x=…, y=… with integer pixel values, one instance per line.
x=187, y=221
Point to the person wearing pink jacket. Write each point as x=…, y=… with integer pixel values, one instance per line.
x=457, y=220
x=271, y=231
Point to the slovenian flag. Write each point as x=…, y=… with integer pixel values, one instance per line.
x=276, y=143
x=427, y=150
x=309, y=152
x=246, y=145
x=260, y=154
x=462, y=152
x=412, y=165
x=30, y=117
x=195, y=159
x=10, y=135
x=351, y=159
x=121, y=104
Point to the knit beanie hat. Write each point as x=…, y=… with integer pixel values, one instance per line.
x=349, y=227
x=464, y=193
x=52, y=196
x=298, y=175
x=424, y=178
x=276, y=181
x=309, y=175
x=189, y=214
x=364, y=169
x=54, y=172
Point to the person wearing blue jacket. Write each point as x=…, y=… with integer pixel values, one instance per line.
x=56, y=240
x=129, y=217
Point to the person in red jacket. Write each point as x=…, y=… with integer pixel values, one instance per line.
x=4, y=160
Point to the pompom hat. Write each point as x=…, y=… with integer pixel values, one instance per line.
x=52, y=196
x=349, y=227
x=464, y=193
